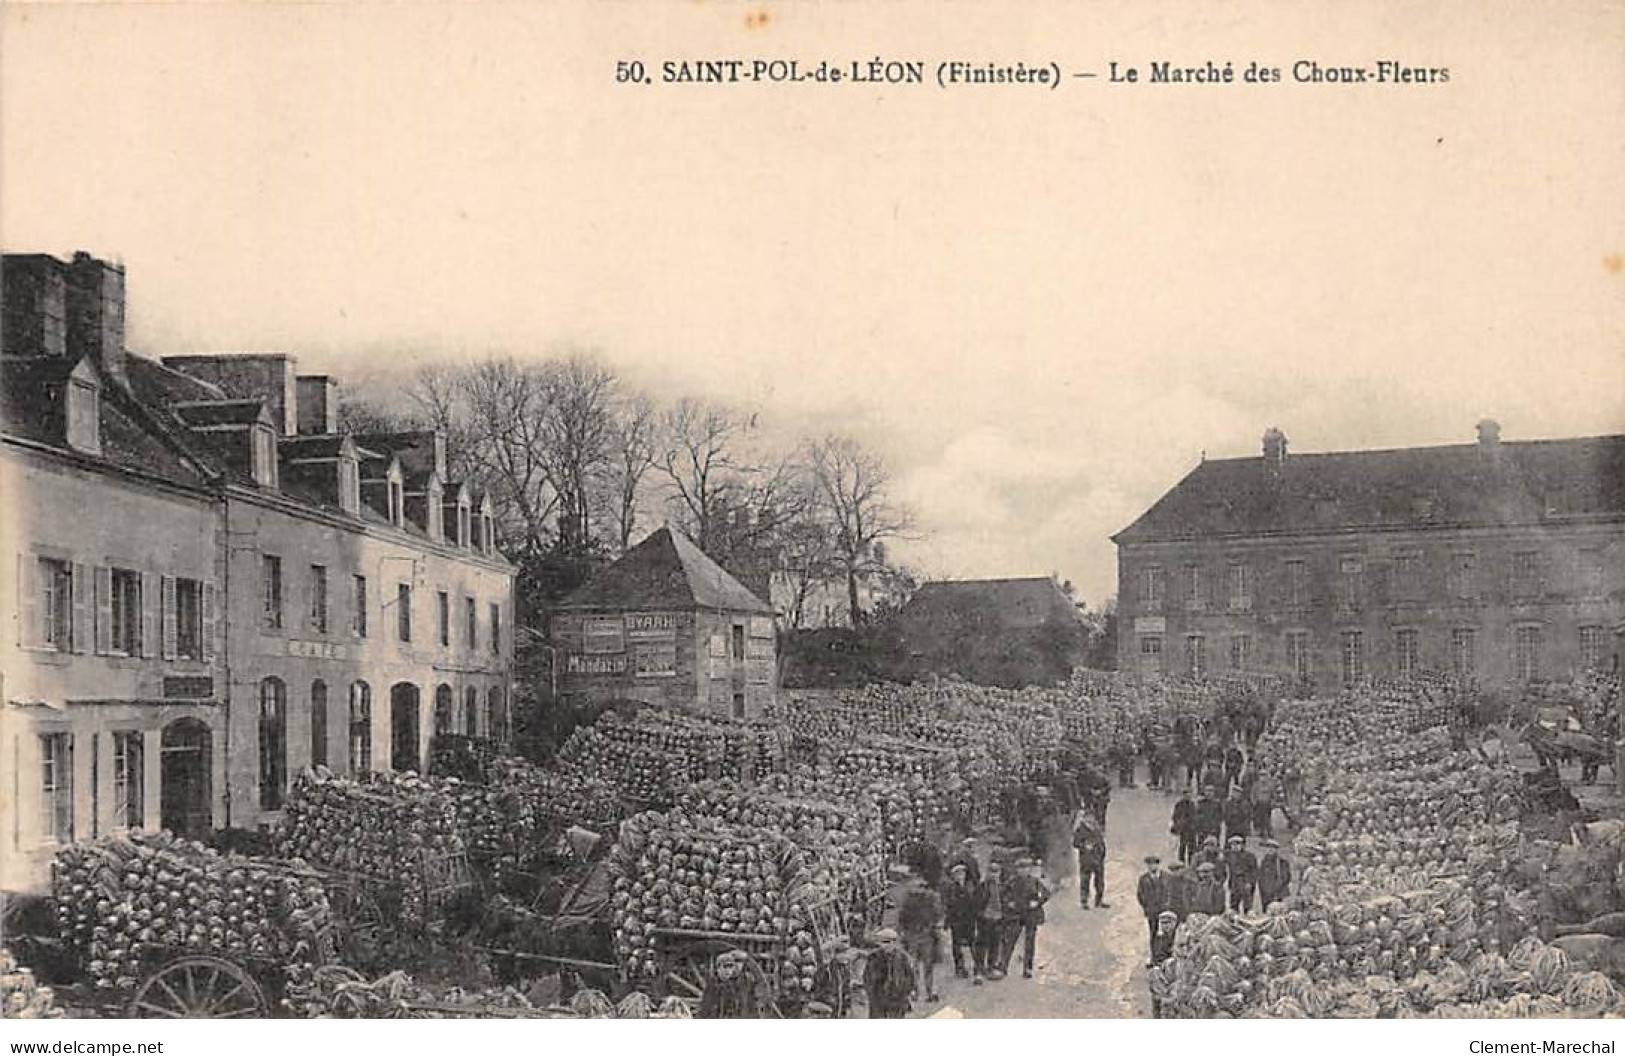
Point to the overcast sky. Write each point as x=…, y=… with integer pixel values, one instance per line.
x=1043, y=306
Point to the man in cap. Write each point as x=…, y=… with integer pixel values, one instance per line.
x=990, y=923
x=1024, y=898
x=1090, y=842
x=1207, y=894
x=961, y=904
x=1213, y=855
x=1238, y=816
x=1208, y=815
x=1162, y=948
x=1177, y=883
x=1183, y=825
x=966, y=856
x=1242, y=869
x=1152, y=894
x=730, y=993
x=888, y=978
x=919, y=915
x=1274, y=875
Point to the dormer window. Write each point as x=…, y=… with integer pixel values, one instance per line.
x=349, y=486
x=83, y=415
x=264, y=445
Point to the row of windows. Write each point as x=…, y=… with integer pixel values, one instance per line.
x=56, y=783
x=1527, y=578
x=1527, y=647
x=69, y=606
x=273, y=729
x=318, y=612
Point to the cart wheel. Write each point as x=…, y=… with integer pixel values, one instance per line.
x=199, y=987
x=689, y=970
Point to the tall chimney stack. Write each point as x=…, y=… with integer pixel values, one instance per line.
x=96, y=313
x=318, y=400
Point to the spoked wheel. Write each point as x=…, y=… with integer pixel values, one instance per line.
x=199, y=988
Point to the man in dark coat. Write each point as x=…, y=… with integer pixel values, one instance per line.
x=961, y=905
x=990, y=923
x=966, y=856
x=1184, y=825
x=919, y=916
x=1238, y=817
x=1208, y=816
x=1207, y=894
x=1024, y=898
x=1274, y=875
x=926, y=860
x=1152, y=894
x=1127, y=751
x=1212, y=854
x=1264, y=806
x=1190, y=754
x=1242, y=867
x=1089, y=837
x=888, y=978
x=1177, y=889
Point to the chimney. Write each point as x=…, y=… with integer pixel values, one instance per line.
x=267, y=376
x=96, y=313
x=1274, y=450
x=318, y=400
x=1489, y=438
x=33, y=306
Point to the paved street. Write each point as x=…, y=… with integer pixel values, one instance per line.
x=1090, y=963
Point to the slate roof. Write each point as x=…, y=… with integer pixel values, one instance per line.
x=219, y=412
x=30, y=393
x=665, y=571
x=1017, y=603
x=1521, y=482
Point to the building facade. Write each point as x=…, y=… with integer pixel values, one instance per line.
x=1496, y=561
x=215, y=587
x=666, y=625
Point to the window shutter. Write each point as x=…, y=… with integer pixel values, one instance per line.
x=104, y=609
x=208, y=622
x=170, y=626
x=149, y=614
x=80, y=588
x=28, y=607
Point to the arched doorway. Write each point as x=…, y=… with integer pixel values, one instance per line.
x=404, y=752
x=186, y=778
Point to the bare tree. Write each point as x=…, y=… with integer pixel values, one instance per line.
x=508, y=407
x=632, y=452
x=698, y=459
x=576, y=432
x=853, y=488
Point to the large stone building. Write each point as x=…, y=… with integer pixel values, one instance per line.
x=666, y=625
x=215, y=586
x=1500, y=561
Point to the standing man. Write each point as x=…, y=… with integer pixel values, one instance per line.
x=888, y=978
x=1238, y=816
x=1212, y=854
x=919, y=915
x=961, y=906
x=966, y=858
x=1025, y=896
x=1242, y=867
x=1127, y=749
x=1090, y=840
x=1162, y=948
x=1209, y=816
x=1264, y=806
x=1274, y=875
x=990, y=923
x=1207, y=894
x=1176, y=889
x=1184, y=825
x=731, y=992
x=1152, y=894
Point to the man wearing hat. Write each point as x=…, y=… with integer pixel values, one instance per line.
x=919, y=915
x=1153, y=895
x=1242, y=867
x=1176, y=889
x=1274, y=875
x=966, y=856
x=1207, y=894
x=1024, y=898
x=730, y=993
x=1183, y=825
x=1208, y=815
x=1212, y=854
x=961, y=905
x=888, y=978
x=1089, y=837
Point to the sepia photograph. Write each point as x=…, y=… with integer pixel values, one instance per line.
x=753, y=510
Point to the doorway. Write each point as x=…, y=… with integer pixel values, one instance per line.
x=186, y=778
x=404, y=749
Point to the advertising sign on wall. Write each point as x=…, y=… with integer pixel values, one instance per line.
x=655, y=661
x=651, y=625
x=579, y=664
x=761, y=627
x=603, y=634
x=759, y=648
